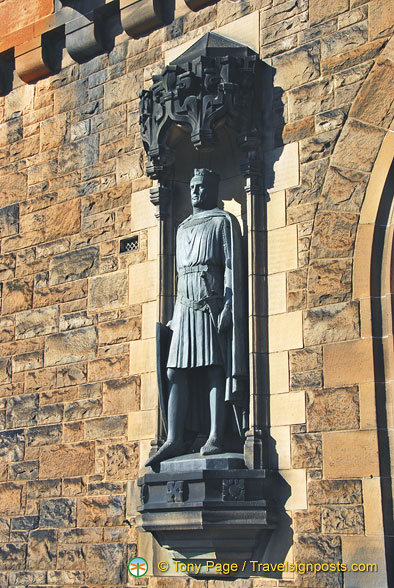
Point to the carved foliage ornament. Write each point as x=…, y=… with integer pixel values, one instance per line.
x=215, y=82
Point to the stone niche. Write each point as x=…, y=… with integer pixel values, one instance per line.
x=207, y=109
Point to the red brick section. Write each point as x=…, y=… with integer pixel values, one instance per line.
x=18, y=20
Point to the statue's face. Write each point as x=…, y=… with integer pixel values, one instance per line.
x=202, y=193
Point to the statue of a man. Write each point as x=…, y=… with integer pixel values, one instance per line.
x=208, y=350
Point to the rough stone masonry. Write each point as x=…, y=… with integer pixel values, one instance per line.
x=78, y=396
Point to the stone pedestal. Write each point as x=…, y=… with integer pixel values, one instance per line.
x=203, y=508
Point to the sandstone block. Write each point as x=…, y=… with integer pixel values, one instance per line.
x=33, y=323
x=108, y=367
x=58, y=513
x=106, y=563
x=361, y=149
x=287, y=409
x=302, y=380
x=333, y=409
x=23, y=470
x=45, y=435
x=143, y=282
x=26, y=578
x=343, y=519
x=311, y=99
x=22, y=411
x=344, y=189
x=142, y=356
x=68, y=460
x=118, y=331
x=297, y=67
x=42, y=547
x=348, y=363
x=79, y=409
x=129, y=166
x=76, y=320
x=66, y=577
x=334, y=234
x=54, y=132
x=312, y=178
x=282, y=249
x=373, y=104
x=45, y=295
x=12, y=556
x=329, y=281
x=101, y=511
x=279, y=372
x=74, y=265
x=79, y=154
x=40, y=488
x=306, y=450
x=321, y=11
x=71, y=96
x=7, y=266
x=334, y=492
x=344, y=40
x=122, y=90
x=304, y=360
x=108, y=291
x=12, y=188
x=122, y=461
x=336, y=322
x=71, y=375
x=359, y=549
x=72, y=557
x=285, y=331
x=122, y=395
x=142, y=425
x=50, y=414
x=350, y=454
x=12, y=445
x=70, y=347
x=9, y=220
x=10, y=498
x=5, y=370
x=381, y=23
x=106, y=427
x=307, y=521
x=27, y=361
x=17, y=295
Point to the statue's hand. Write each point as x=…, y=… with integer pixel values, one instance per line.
x=225, y=319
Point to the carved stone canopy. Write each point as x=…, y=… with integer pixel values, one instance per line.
x=215, y=82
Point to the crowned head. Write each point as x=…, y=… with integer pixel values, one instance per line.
x=204, y=187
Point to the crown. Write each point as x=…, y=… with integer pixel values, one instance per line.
x=207, y=173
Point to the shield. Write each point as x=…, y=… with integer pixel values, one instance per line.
x=163, y=340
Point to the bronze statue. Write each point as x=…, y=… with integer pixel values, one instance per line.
x=208, y=349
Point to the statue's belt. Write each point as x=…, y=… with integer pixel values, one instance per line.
x=204, y=304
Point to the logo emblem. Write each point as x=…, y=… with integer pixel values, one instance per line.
x=138, y=567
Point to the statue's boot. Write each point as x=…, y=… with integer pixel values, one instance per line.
x=166, y=451
x=211, y=447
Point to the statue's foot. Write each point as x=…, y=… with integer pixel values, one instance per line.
x=166, y=451
x=211, y=447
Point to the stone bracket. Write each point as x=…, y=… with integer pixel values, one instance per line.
x=224, y=511
x=139, y=17
x=84, y=36
x=31, y=63
x=197, y=4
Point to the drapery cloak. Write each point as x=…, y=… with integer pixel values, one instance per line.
x=210, y=274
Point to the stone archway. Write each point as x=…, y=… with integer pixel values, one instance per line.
x=354, y=223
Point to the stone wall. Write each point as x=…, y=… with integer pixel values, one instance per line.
x=78, y=398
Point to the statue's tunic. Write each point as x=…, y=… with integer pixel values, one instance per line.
x=203, y=256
